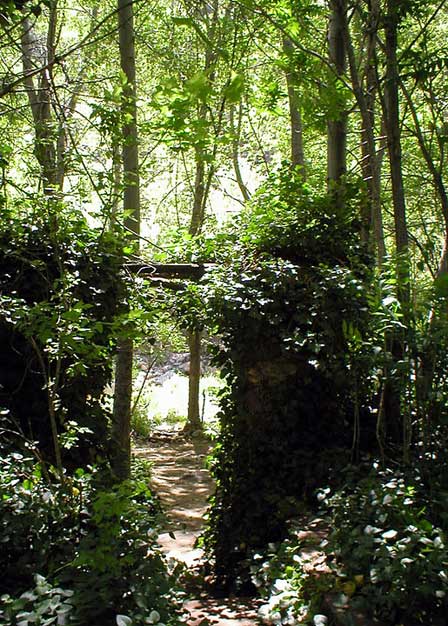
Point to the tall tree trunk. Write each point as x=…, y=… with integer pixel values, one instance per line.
x=39, y=97
x=202, y=183
x=194, y=422
x=50, y=115
x=121, y=415
x=392, y=122
x=194, y=336
x=436, y=175
x=397, y=422
x=121, y=418
x=295, y=117
x=374, y=155
x=236, y=135
x=337, y=128
x=67, y=110
x=365, y=98
x=117, y=164
x=130, y=153
x=198, y=208
x=426, y=395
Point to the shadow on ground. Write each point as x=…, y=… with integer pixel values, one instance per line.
x=183, y=484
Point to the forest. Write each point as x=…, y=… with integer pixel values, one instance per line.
x=262, y=187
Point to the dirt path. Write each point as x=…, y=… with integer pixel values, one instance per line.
x=184, y=484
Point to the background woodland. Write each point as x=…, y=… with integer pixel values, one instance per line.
x=268, y=179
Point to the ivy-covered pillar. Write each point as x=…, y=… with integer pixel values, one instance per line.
x=287, y=304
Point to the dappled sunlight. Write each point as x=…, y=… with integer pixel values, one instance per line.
x=183, y=484
x=212, y=611
x=180, y=479
x=164, y=403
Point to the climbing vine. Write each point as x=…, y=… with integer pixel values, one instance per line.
x=291, y=308
x=60, y=297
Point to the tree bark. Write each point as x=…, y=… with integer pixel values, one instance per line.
x=436, y=175
x=425, y=377
x=201, y=191
x=337, y=128
x=194, y=336
x=236, y=134
x=50, y=114
x=365, y=98
x=198, y=209
x=397, y=422
x=39, y=97
x=295, y=116
x=392, y=122
x=121, y=419
x=121, y=415
x=375, y=155
x=194, y=416
x=130, y=154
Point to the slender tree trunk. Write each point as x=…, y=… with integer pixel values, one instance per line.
x=121, y=415
x=194, y=336
x=39, y=97
x=50, y=115
x=117, y=164
x=194, y=415
x=436, y=175
x=365, y=98
x=66, y=113
x=443, y=262
x=392, y=122
x=130, y=154
x=201, y=191
x=121, y=418
x=397, y=422
x=374, y=158
x=425, y=378
x=236, y=134
x=295, y=117
x=198, y=209
x=38, y=57
x=337, y=129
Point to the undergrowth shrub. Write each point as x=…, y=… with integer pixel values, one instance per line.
x=292, y=592
x=383, y=536
x=43, y=605
x=61, y=296
x=42, y=521
x=79, y=551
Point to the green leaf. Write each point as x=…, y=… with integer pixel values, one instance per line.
x=123, y=620
x=198, y=86
x=389, y=534
x=441, y=285
x=188, y=21
x=389, y=300
x=235, y=88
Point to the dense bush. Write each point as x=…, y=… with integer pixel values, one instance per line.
x=290, y=304
x=292, y=592
x=60, y=294
x=76, y=549
x=79, y=552
x=384, y=537
x=42, y=522
x=384, y=558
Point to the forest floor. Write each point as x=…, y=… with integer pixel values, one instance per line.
x=183, y=484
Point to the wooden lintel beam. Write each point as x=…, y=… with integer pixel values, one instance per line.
x=193, y=271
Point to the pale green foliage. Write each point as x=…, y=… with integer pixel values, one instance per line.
x=383, y=532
